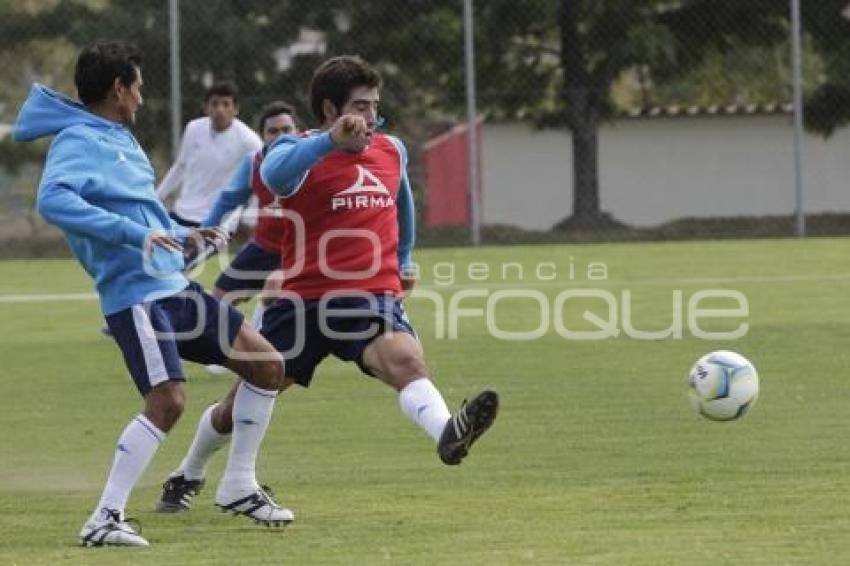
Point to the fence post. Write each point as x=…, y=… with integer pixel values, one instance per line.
x=176, y=95
x=471, y=123
x=796, y=60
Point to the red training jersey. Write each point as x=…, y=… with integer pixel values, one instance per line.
x=270, y=228
x=342, y=224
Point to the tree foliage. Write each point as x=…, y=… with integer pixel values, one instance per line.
x=556, y=63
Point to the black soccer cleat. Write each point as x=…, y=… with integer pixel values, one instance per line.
x=177, y=494
x=466, y=426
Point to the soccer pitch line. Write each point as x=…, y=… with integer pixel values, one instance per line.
x=12, y=298
x=46, y=297
x=592, y=283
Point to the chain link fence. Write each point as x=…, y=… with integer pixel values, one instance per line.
x=599, y=120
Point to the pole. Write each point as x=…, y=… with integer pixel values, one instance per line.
x=471, y=120
x=176, y=95
x=796, y=58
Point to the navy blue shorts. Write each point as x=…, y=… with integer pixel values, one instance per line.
x=306, y=331
x=154, y=336
x=249, y=269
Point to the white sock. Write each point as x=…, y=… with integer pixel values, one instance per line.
x=206, y=443
x=252, y=411
x=421, y=401
x=257, y=316
x=136, y=447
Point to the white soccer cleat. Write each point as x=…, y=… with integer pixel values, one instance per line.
x=109, y=528
x=257, y=505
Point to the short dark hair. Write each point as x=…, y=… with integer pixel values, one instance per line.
x=222, y=88
x=335, y=78
x=99, y=64
x=273, y=109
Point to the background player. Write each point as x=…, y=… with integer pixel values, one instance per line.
x=261, y=254
x=211, y=149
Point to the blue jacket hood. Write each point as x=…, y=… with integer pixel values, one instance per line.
x=47, y=112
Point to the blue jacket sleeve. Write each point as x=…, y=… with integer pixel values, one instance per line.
x=406, y=214
x=289, y=158
x=406, y=224
x=237, y=192
x=69, y=169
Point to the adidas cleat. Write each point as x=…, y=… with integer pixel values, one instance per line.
x=466, y=426
x=261, y=507
x=109, y=528
x=177, y=494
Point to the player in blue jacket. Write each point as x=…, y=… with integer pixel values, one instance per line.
x=98, y=188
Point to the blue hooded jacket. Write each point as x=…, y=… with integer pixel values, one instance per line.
x=98, y=188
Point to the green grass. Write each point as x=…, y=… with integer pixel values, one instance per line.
x=596, y=458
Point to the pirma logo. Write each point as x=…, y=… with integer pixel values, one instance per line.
x=367, y=192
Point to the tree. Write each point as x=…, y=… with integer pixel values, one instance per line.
x=555, y=63
x=827, y=22
x=220, y=39
x=598, y=41
x=552, y=62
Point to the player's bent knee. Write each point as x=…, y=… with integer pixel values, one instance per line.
x=406, y=367
x=267, y=374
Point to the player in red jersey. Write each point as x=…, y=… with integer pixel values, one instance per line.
x=346, y=260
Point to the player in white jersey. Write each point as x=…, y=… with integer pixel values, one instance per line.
x=212, y=148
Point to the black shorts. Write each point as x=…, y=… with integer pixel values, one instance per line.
x=306, y=331
x=249, y=269
x=183, y=221
x=154, y=336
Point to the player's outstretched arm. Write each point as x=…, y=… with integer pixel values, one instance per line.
x=289, y=159
x=351, y=133
x=199, y=238
x=163, y=240
x=62, y=206
x=237, y=192
x=67, y=170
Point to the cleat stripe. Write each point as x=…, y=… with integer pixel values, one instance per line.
x=457, y=430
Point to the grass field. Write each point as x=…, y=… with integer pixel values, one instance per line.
x=596, y=458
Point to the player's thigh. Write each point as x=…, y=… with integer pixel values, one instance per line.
x=254, y=359
x=145, y=337
x=396, y=358
x=205, y=328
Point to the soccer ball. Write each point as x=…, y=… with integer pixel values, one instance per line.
x=723, y=385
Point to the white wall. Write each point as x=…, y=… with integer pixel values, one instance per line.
x=656, y=170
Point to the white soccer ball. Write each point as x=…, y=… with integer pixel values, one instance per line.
x=723, y=385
